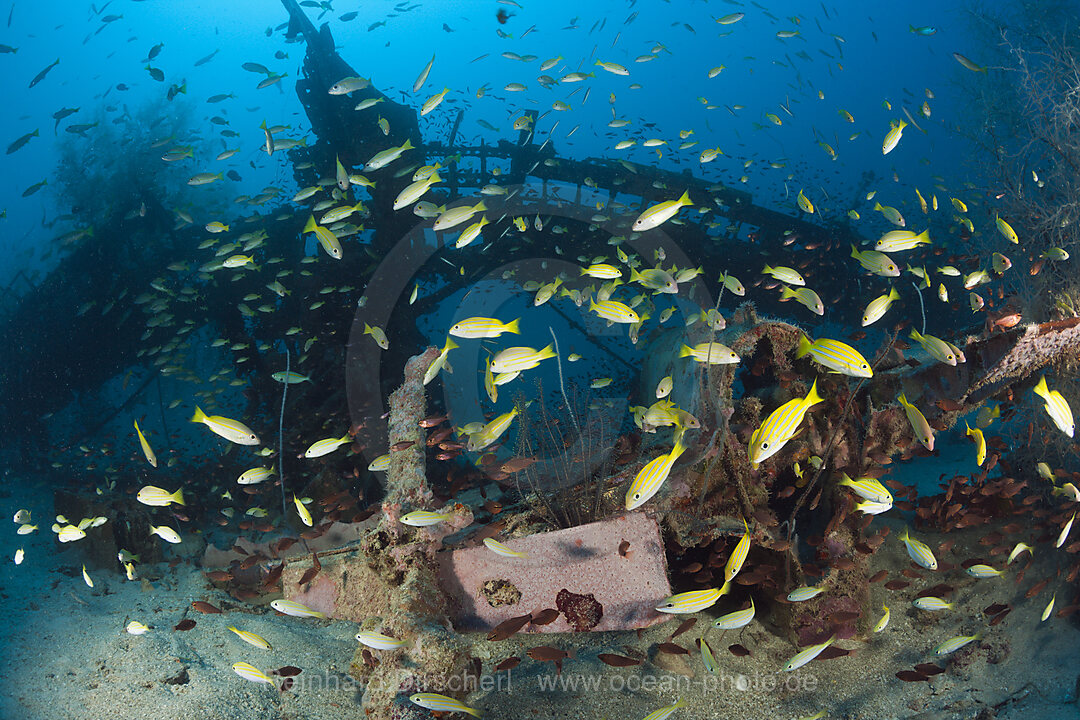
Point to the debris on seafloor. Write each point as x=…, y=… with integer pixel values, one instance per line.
x=580, y=560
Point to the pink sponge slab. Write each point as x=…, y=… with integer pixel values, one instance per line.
x=583, y=560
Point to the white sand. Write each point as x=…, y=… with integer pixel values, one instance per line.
x=69, y=659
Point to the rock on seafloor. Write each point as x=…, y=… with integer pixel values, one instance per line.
x=582, y=560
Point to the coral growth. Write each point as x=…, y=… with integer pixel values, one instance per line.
x=583, y=612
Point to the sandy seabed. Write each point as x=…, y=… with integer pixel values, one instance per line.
x=66, y=653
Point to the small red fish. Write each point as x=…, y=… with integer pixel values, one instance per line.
x=509, y=663
x=204, y=607
x=508, y=627
x=617, y=660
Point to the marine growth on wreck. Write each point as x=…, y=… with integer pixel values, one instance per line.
x=636, y=360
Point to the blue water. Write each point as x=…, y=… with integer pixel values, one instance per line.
x=138, y=332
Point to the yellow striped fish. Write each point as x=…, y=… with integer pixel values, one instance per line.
x=835, y=355
x=707, y=657
x=879, y=306
x=251, y=638
x=327, y=446
x=442, y=703
x=781, y=426
x=938, y=348
x=1056, y=407
x=482, y=327
x=665, y=712
x=932, y=604
x=661, y=212
x=807, y=655
x=424, y=518
x=692, y=601
x=602, y=271
x=980, y=443
x=735, y=620
x=614, y=311
x=1064, y=535
x=295, y=609
x=806, y=592
x=516, y=359
x=250, y=672
x=147, y=450
x=953, y=644
x=923, y=432
x=919, y=552
x=232, y=430
x=492, y=431
x=982, y=572
x=868, y=489
x=651, y=477
x=900, y=240
x=738, y=556
x=158, y=497
x=500, y=549
x=379, y=641
x=876, y=262
x=713, y=353
x=884, y=621
x=1049, y=608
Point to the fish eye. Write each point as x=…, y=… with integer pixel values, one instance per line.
x=764, y=446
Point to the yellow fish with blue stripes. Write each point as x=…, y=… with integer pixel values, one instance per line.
x=919, y=552
x=692, y=601
x=919, y=425
x=781, y=426
x=738, y=556
x=652, y=476
x=1056, y=407
x=441, y=703
x=836, y=356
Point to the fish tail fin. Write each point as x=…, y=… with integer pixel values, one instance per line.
x=786, y=292
x=893, y=295
x=408, y=144
x=914, y=335
x=804, y=346
x=877, y=205
x=685, y=351
x=903, y=399
x=310, y=225
x=513, y=326
x=812, y=397
x=854, y=252
x=178, y=497
x=766, y=269
x=846, y=480
x=1041, y=389
x=199, y=415
x=924, y=236
x=684, y=199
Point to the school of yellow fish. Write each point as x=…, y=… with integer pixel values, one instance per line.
x=619, y=288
